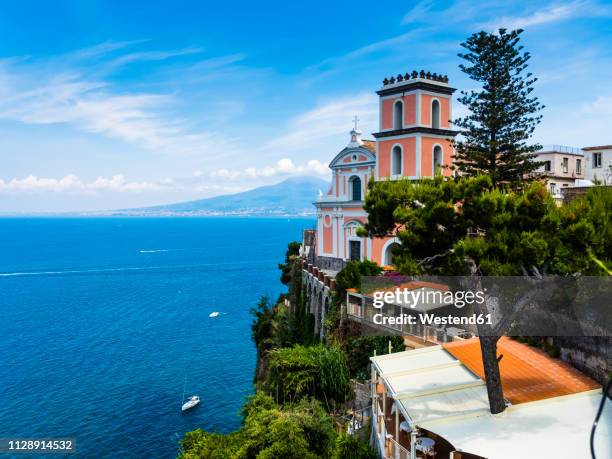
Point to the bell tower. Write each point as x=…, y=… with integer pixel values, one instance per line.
x=415, y=135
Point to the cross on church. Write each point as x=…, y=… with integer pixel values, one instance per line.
x=355, y=120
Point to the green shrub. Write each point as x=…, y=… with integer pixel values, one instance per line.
x=349, y=447
x=316, y=371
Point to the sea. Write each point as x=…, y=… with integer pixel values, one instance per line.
x=105, y=322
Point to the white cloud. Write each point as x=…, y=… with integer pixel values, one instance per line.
x=150, y=56
x=328, y=120
x=283, y=167
x=103, y=48
x=589, y=123
x=64, y=90
x=421, y=12
x=602, y=106
x=554, y=12
x=71, y=183
x=364, y=54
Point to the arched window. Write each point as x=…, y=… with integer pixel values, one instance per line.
x=437, y=159
x=355, y=188
x=435, y=114
x=396, y=160
x=398, y=115
x=388, y=254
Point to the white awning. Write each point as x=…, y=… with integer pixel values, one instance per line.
x=429, y=383
x=455, y=404
x=414, y=360
x=558, y=427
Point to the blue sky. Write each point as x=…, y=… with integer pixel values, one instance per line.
x=121, y=104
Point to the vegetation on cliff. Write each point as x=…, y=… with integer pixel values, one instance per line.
x=269, y=431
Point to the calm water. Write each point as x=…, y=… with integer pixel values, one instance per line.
x=102, y=320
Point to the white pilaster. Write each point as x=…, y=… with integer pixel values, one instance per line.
x=418, y=156
x=335, y=232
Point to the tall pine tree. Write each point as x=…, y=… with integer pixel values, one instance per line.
x=502, y=115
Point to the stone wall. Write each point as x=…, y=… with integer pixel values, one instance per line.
x=590, y=354
x=330, y=263
x=572, y=192
x=318, y=299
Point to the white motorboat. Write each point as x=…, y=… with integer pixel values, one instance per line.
x=213, y=314
x=190, y=403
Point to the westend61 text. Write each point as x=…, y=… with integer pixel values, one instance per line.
x=430, y=319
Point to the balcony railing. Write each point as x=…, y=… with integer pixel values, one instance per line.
x=561, y=149
x=395, y=450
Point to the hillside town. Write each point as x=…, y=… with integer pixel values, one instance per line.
x=431, y=399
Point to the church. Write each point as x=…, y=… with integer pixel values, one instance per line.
x=414, y=140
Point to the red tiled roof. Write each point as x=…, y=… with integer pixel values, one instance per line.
x=369, y=145
x=528, y=374
x=413, y=285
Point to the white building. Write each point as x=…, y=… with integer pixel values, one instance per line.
x=562, y=167
x=598, y=164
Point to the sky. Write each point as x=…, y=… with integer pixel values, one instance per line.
x=116, y=104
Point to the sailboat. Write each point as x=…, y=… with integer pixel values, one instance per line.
x=191, y=402
x=213, y=314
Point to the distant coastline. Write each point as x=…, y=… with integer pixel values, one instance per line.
x=200, y=213
x=161, y=214
x=292, y=197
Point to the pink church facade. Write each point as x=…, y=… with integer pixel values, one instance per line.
x=414, y=140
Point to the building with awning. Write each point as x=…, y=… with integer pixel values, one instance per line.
x=432, y=402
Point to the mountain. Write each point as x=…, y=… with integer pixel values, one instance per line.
x=293, y=196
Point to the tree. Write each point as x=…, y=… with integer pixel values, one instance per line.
x=359, y=349
x=351, y=447
x=262, y=327
x=293, y=250
x=314, y=371
x=469, y=227
x=350, y=276
x=502, y=114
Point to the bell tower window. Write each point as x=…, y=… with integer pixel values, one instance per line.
x=437, y=159
x=398, y=115
x=396, y=160
x=435, y=114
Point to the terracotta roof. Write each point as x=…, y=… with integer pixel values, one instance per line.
x=528, y=374
x=602, y=147
x=369, y=145
x=413, y=285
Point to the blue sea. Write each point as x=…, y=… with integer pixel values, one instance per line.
x=103, y=321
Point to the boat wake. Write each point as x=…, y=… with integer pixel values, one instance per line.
x=248, y=263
